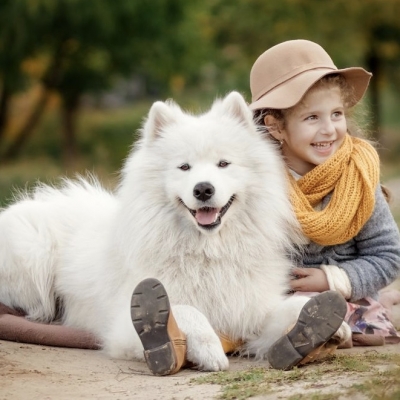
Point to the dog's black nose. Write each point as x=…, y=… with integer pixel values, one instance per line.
x=203, y=191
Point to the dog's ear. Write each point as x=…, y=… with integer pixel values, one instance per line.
x=160, y=116
x=235, y=105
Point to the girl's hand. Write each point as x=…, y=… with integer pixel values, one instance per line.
x=309, y=280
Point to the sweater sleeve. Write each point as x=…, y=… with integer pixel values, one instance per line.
x=377, y=263
x=337, y=280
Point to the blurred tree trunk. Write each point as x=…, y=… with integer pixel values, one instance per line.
x=374, y=66
x=69, y=114
x=27, y=128
x=4, y=100
x=49, y=82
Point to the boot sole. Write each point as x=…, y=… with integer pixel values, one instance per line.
x=318, y=321
x=150, y=310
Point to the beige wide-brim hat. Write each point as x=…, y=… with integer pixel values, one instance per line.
x=281, y=76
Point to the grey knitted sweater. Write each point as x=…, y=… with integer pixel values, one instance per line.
x=371, y=259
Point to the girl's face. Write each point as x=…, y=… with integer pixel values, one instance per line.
x=314, y=129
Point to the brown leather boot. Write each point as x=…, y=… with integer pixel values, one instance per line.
x=163, y=342
x=362, y=339
x=310, y=337
x=319, y=353
x=229, y=345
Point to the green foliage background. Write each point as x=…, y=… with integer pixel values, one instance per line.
x=190, y=51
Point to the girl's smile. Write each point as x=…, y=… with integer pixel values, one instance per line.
x=322, y=147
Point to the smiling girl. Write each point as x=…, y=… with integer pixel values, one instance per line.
x=302, y=101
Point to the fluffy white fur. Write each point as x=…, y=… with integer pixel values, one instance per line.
x=90, y=248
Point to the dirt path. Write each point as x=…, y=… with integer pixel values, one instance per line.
x=37, y=372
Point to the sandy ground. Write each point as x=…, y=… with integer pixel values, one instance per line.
x=37, y=372
x=47, y=373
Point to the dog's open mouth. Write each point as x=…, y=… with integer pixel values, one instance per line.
x=210, y=217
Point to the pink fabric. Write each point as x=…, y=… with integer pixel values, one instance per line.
x=370, y=317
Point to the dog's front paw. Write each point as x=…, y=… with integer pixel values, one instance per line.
x=206, y=353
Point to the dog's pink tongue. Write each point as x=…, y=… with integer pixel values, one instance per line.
x=206, y=217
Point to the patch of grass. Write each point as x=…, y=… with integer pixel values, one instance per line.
x=103, y=136
x=262, y=381
x=386, y=386
x=315, y=396
x=252, y=382
x=24, y=175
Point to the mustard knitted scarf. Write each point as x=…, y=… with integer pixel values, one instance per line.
x=351, y=175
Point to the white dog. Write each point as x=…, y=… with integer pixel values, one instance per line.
x=202, y=206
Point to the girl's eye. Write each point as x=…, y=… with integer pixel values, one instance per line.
x=223, y=164
x=311, y=117
x=337, y=114
x=184, y=167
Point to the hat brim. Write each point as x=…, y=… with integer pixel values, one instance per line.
x=290, y=92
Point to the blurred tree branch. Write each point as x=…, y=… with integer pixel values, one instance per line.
x=88, y=43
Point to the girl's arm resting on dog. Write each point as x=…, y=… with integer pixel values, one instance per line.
x=329, y=277
x=309, y=280
x=378, y=246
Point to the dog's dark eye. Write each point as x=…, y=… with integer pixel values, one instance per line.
x=223, y=164
x=184, y=167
